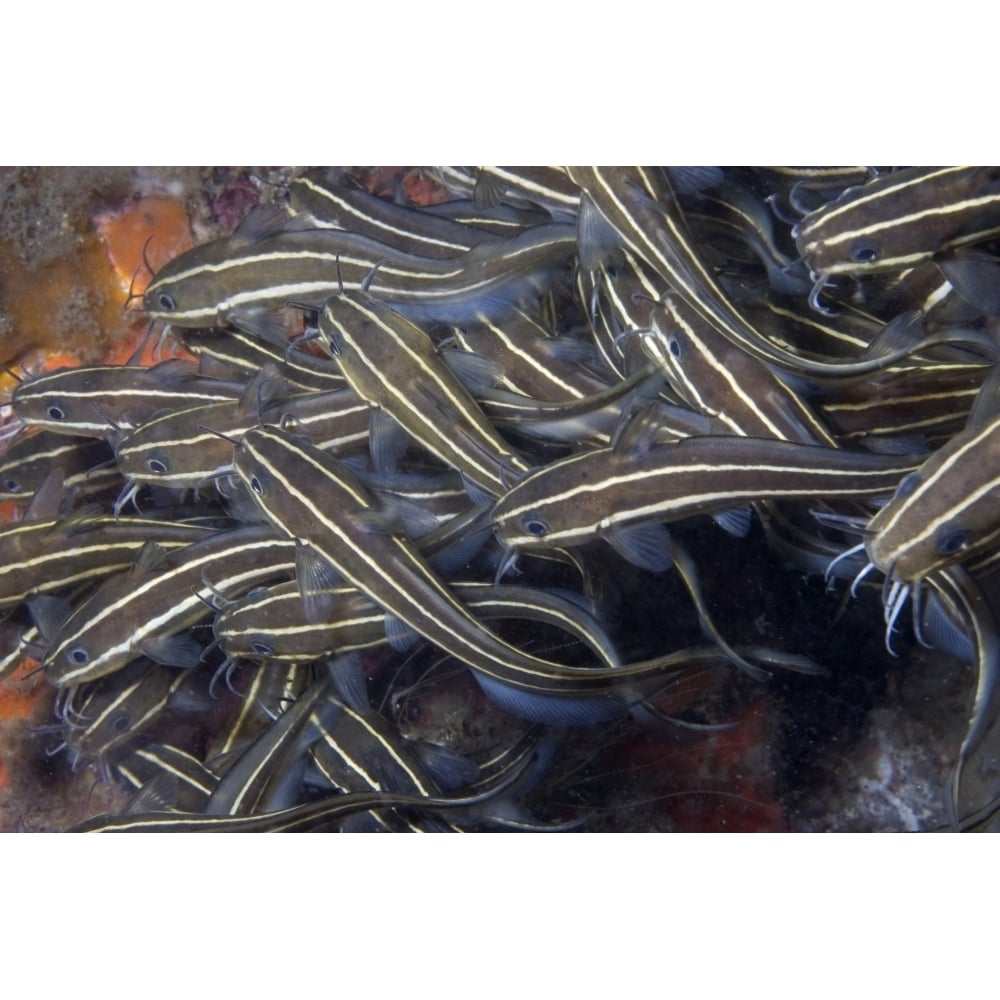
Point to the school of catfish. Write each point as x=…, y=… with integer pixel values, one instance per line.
x=496, y=437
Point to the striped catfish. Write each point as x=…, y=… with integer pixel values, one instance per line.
x=929, y=402
x=621, y=296
x=946, y=512
x=247, y=352
x=733, y=214
x=273, y=624
x=395, y=366
x=569, y=401
x=34, y=454
x=165, y=777
x=802, y=189
x=354, y=210
x=500, y=220
x=958, y=587
x=531, y=361
x=924, y=287
x=639, y=206
x=548, y=187
x=721, y=380
x=322, y=505
x=900, y=220
x=359, y=751
x=265, y=695
x=119, y=710
x=18, y=639
x=364, y=753
x=616, y=493
x=229, y=280
x=97, y=401
x=146, y=610
x=43, y=555
x=183, y=448
x=268, y=774
x=324, y=814
x=789, y=319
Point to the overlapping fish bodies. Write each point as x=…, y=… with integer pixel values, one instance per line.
x=396, y=367
x=945, y=512
x=182, y=449
x=651, y=356
x=234, y=281
x=344, y=539
x=942, y=518
x=942, y=514
x=145, y=610
x=616, y=493
x=99, y=401
x=901, y=219
x=271, y=624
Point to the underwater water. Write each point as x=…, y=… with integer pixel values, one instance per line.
x=846, y=730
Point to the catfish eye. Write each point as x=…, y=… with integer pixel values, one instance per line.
x=121, y=723
x=55, y=412
x=167, y=302
x=907, y=485
x=12, y=486
x=79, y=655
x=674, y=344
x=864, y=253
x=534, y=525
x=259, y=648
x=157, y=466
x=256, y=485
x=951, y=542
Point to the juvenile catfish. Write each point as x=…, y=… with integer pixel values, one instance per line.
x=344, y=535
x=623, y=494
x=395, y=366
x=271, y=261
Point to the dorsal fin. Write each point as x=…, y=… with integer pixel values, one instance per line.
x=47, y=499
x=258, y=224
